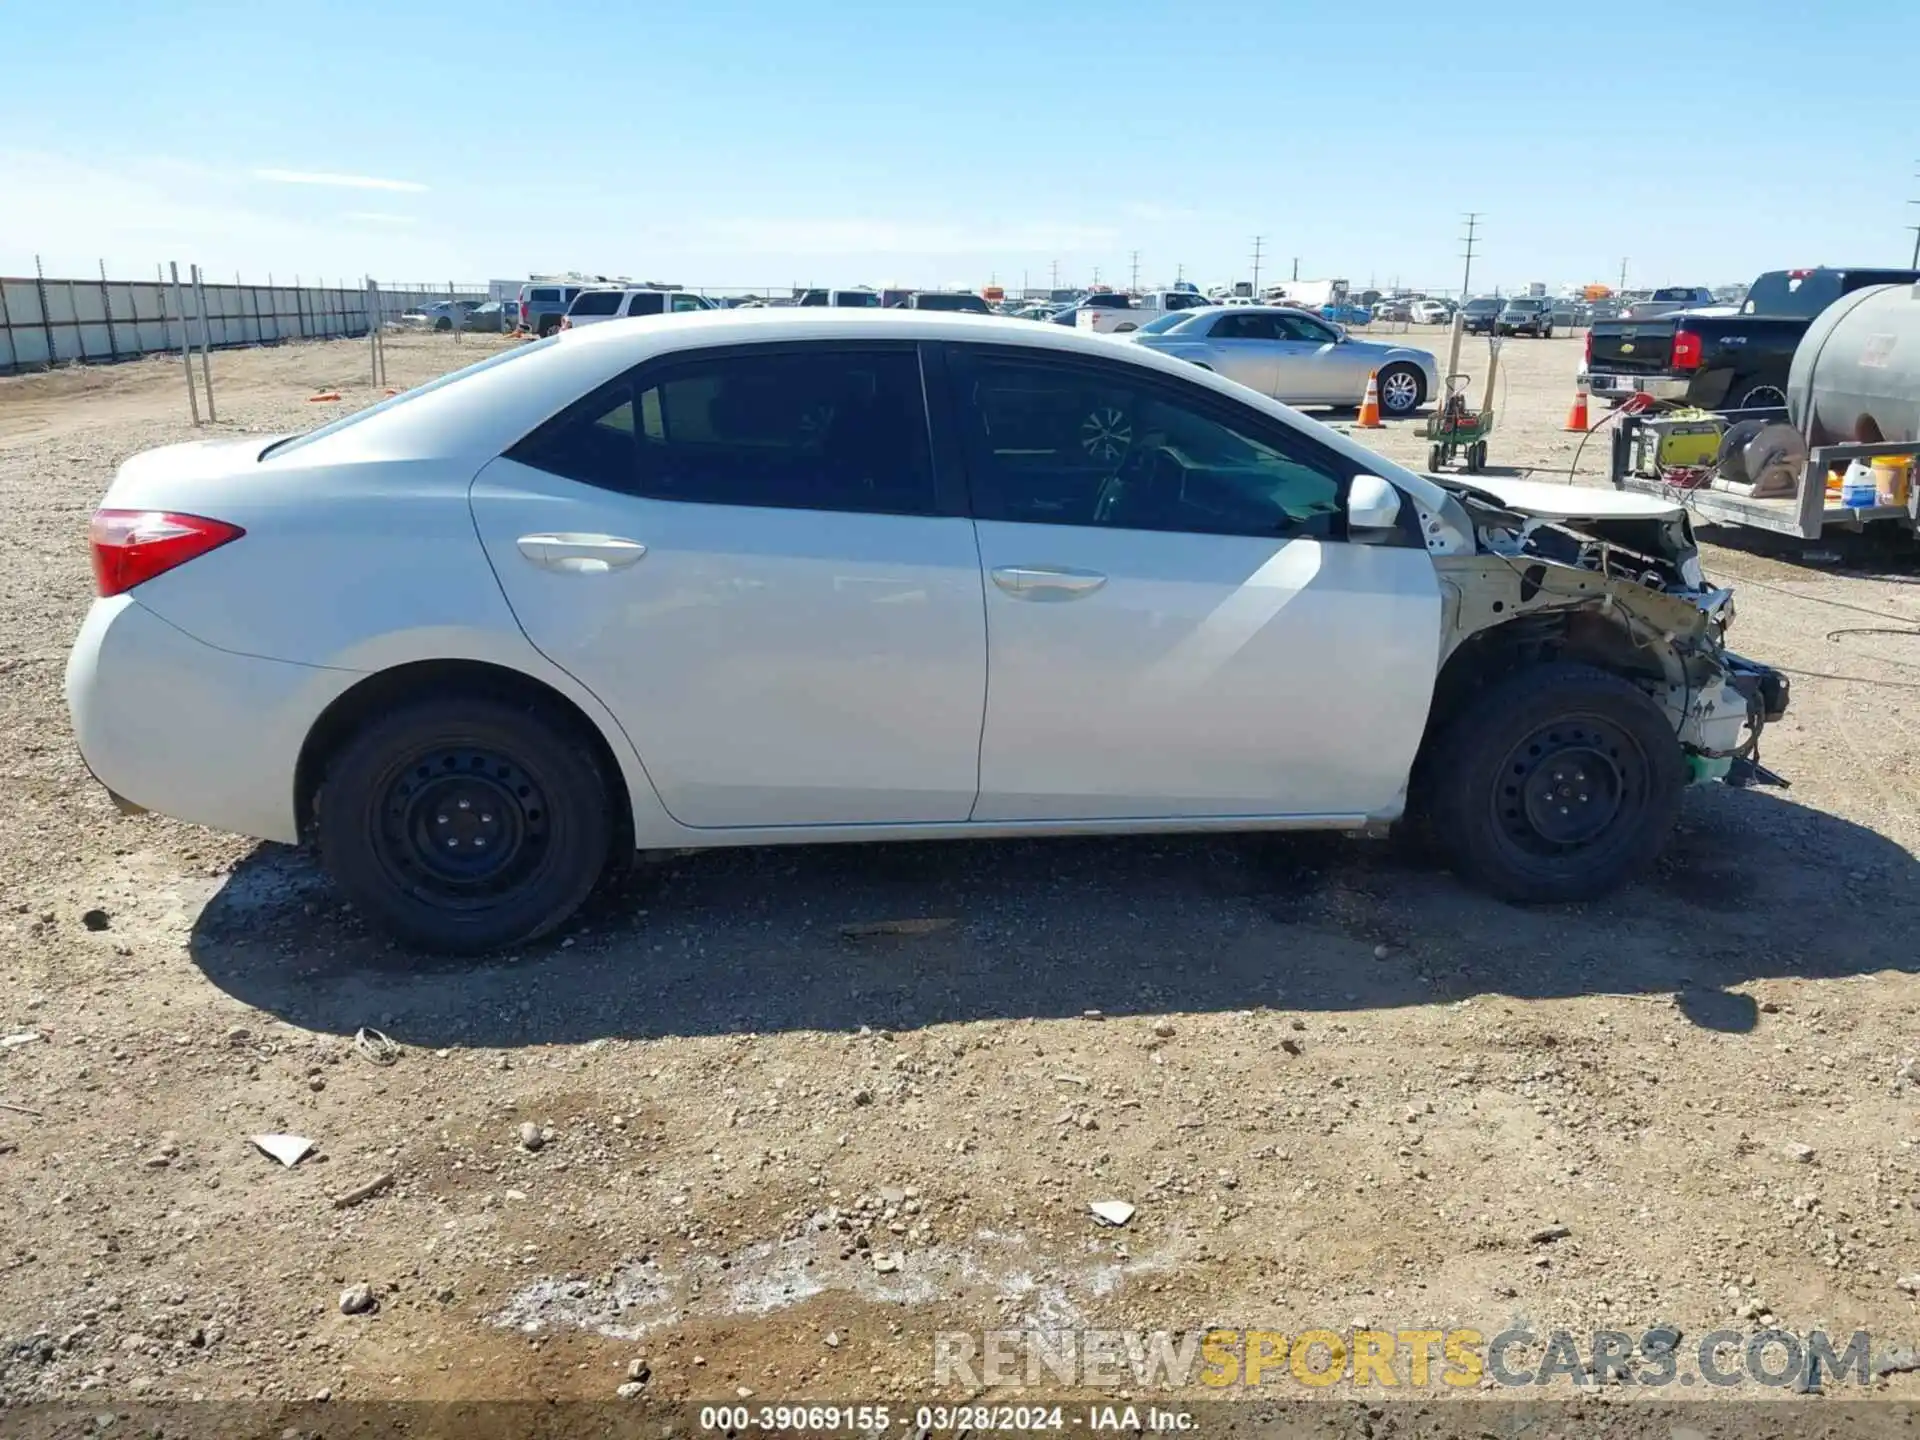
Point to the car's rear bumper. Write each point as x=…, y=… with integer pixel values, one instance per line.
x=1614, y=386
x=169, y=724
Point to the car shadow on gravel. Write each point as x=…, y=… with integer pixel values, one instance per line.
x=898, y=936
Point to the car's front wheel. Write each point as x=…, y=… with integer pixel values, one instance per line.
x=1402, y=388
x=465, y=824
x=1557, y=783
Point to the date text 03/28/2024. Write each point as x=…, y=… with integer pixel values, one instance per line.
x=940, y=1419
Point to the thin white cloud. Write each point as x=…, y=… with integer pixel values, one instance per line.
x=344, y=182
x=880, y=237
x=381, y=217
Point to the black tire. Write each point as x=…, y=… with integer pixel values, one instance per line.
x=507, y=775
x=1559, y=731
x=443, y=323
x=548, y=324
x=1392, y=398
x=1433, y=457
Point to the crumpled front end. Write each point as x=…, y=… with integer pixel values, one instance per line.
x=1624, y=592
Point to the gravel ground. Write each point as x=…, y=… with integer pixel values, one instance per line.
x=715, y=1129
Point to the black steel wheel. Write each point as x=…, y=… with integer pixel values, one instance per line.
x=465, y=824
x=1558, y=783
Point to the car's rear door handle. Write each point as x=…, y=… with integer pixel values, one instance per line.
x=581, y=554
x=1046, y=582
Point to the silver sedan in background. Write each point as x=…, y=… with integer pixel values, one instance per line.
x=1293, y=355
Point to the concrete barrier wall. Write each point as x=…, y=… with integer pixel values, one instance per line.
x=60, y=321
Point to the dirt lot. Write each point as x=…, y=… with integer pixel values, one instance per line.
x=1340, y=1089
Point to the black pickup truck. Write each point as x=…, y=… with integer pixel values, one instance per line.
x=1722, y=359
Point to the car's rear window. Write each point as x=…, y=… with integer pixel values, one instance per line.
x=596, y=302
x=545, y=295
x=1790, y=295
x=950, y=302
x=859, y=299
x=294, y=442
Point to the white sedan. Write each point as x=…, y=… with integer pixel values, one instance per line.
x=751, y=578
x=1294, y=356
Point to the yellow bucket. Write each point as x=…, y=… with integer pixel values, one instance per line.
x=1892, y=478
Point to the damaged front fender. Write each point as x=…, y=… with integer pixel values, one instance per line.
x=1623, y=592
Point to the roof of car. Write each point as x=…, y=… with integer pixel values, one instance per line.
x=477, y=416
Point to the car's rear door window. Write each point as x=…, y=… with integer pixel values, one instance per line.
x=683, y=303
x=805, y=428
x=543, y=296
x=646, y=302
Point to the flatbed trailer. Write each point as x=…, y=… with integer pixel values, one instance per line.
x=1806, y=513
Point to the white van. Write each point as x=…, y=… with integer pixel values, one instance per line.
x=590, y=307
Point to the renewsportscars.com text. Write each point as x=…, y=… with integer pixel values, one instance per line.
x=1221, y=1359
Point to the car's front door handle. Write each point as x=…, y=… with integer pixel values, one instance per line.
x=581, y=554
x=1045, y=582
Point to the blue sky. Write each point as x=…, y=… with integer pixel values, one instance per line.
x=744, y=143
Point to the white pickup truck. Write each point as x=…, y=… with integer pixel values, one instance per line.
x=1106, y=314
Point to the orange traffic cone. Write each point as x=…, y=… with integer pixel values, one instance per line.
x=1370, y=407
x=325, y=395
x=1577, y=416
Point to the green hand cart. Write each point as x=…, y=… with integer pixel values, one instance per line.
x=1453, y=430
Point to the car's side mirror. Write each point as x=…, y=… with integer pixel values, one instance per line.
x=1372, y=504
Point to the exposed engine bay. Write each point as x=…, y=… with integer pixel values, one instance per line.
x=1621, y=589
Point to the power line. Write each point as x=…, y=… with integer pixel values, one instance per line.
x=1473, y=230
x=1258, y=241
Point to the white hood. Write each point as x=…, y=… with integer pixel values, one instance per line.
x=1568, y=502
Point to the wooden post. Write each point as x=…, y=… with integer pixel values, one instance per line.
x=206, y=340
x=106, y=304
x=46, y=316
x=186, y=349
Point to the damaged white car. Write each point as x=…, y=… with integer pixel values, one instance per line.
x=750, y=578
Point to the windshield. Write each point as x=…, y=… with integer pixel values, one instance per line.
x=973, y=304
x=1525, y=305
x=1482, y=307
x=294, y=442
x=859, y=299
x=1165, y=323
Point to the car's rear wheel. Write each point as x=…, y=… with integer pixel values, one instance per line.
x=465, y=824
x=1758, y=396
x=1402, y=388
x=443, y=323
x=1558, y=783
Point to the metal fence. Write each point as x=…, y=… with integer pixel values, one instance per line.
x=47, y=321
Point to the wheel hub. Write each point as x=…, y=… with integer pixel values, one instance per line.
x=1565, y=787
x=462, y=824
x=1398, y=392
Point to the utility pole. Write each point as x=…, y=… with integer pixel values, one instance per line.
x=1096, y=277
x=1258, y=241
x=1473, y=231
x=1914, y=264
x=1623, y=274
x=1296, y=267
x=1134, y=284
x=1180, y=272
x=1056, y=275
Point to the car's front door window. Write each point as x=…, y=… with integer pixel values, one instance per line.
x=1071, y=443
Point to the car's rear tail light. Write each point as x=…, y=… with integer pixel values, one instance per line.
x=130, y=547
x=1686, y=350
x=566, y=322
x=1588, y=356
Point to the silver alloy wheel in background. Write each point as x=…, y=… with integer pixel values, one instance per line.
x=1399, y=391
